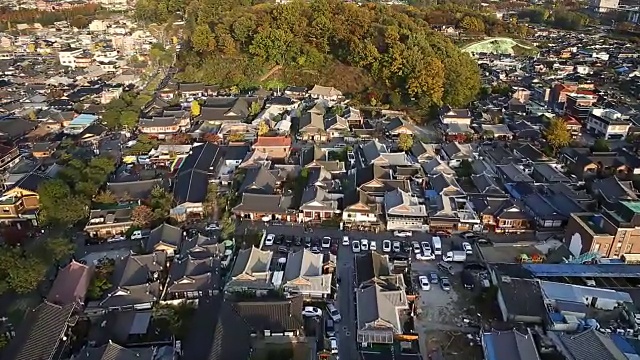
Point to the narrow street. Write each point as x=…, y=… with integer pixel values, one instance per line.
x=347, y=347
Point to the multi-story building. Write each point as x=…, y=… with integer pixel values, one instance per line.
x=579, y=104
x=607, y=123
x=68, y=56
x=612, y=233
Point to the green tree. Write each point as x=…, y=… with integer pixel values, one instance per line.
x=255, y=108
x=52, y=251
x=228, y=228
x=58, y=205
x=202, y=38
x=405, y=142
x=472, y=24
x=105, y=197
x=211, y=201
x=600, y=145
x=195, y=108
x=243, y=28
x=263, y=128
x=129, y=119
x=111, y=119
x=557, y=134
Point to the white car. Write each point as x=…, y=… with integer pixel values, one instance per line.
x=402, y=233
x=326, y=242
x=345, y=240
x=364, y=244
x=396, y=246
x=311, y=311
x=386, y=245
x=426, y=247
x=355, y=246
x=268, y=241
x=334, y=313
x=467, y=248
x=333, y=342
x=416, y=247
x=424, y=283
x=373, y=246
x=425, y=256
x=212, y=227
x=117, y=238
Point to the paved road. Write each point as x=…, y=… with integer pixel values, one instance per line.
x=347, y=348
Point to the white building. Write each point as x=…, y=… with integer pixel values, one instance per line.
x=602, y=6
x=68, y=56
x=607, y=123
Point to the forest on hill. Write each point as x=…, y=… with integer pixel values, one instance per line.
x=375, y=52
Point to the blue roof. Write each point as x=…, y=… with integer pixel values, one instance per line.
x=84, y=119
x=622, y=344
x=489, y=346
x=579, y=270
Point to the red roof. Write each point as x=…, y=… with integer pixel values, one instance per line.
x=570, y=120
x=273, y=141
x=586, y=92
x=71, y=284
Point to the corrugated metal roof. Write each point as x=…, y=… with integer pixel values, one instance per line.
x=582, y=270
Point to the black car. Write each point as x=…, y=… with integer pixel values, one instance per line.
x=483, y=241
x=283, y=249
x=279, y=240
x=406, y=247
x=288, y=240
x=297, y=241
x=307, y=241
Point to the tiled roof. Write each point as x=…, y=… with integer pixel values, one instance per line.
x=277, y=316
x=273, y=141
x=39, y=335
x=71, y=284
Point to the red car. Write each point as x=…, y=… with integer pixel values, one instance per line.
x=334, y=249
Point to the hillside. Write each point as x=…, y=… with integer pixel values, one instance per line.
x=384, y=53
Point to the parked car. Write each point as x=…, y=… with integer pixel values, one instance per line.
x=433, y=277
x=424, y=283
x=426, y=247
x=425, y=256
x=442, y=233
x=268, y=241
x=364, y=244
x=315, y=250
x=140, y=234
x=355, y=246
x=402, y=233
x=396, y=246
x=333, y=343
x=297, y=241
x=386, y=245
x=212, y=227
x=483, y=241
x=311, y=311
x=334, y=249
x=445, y=284
x=326, y=242
x=373, y=246
x=329, y=328
x=333, y=312
x=416, y=247
x=117, y=238
x=467, y=248
x=406, y=246
x=279, y=240
x=468, y=235
x=484, y=279
x=307, y=242
x=345, y=240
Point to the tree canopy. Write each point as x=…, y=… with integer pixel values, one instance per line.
x=236, y=44
x=557, y=134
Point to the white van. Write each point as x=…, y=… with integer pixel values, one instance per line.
x=437, y=245
x=140, y=234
